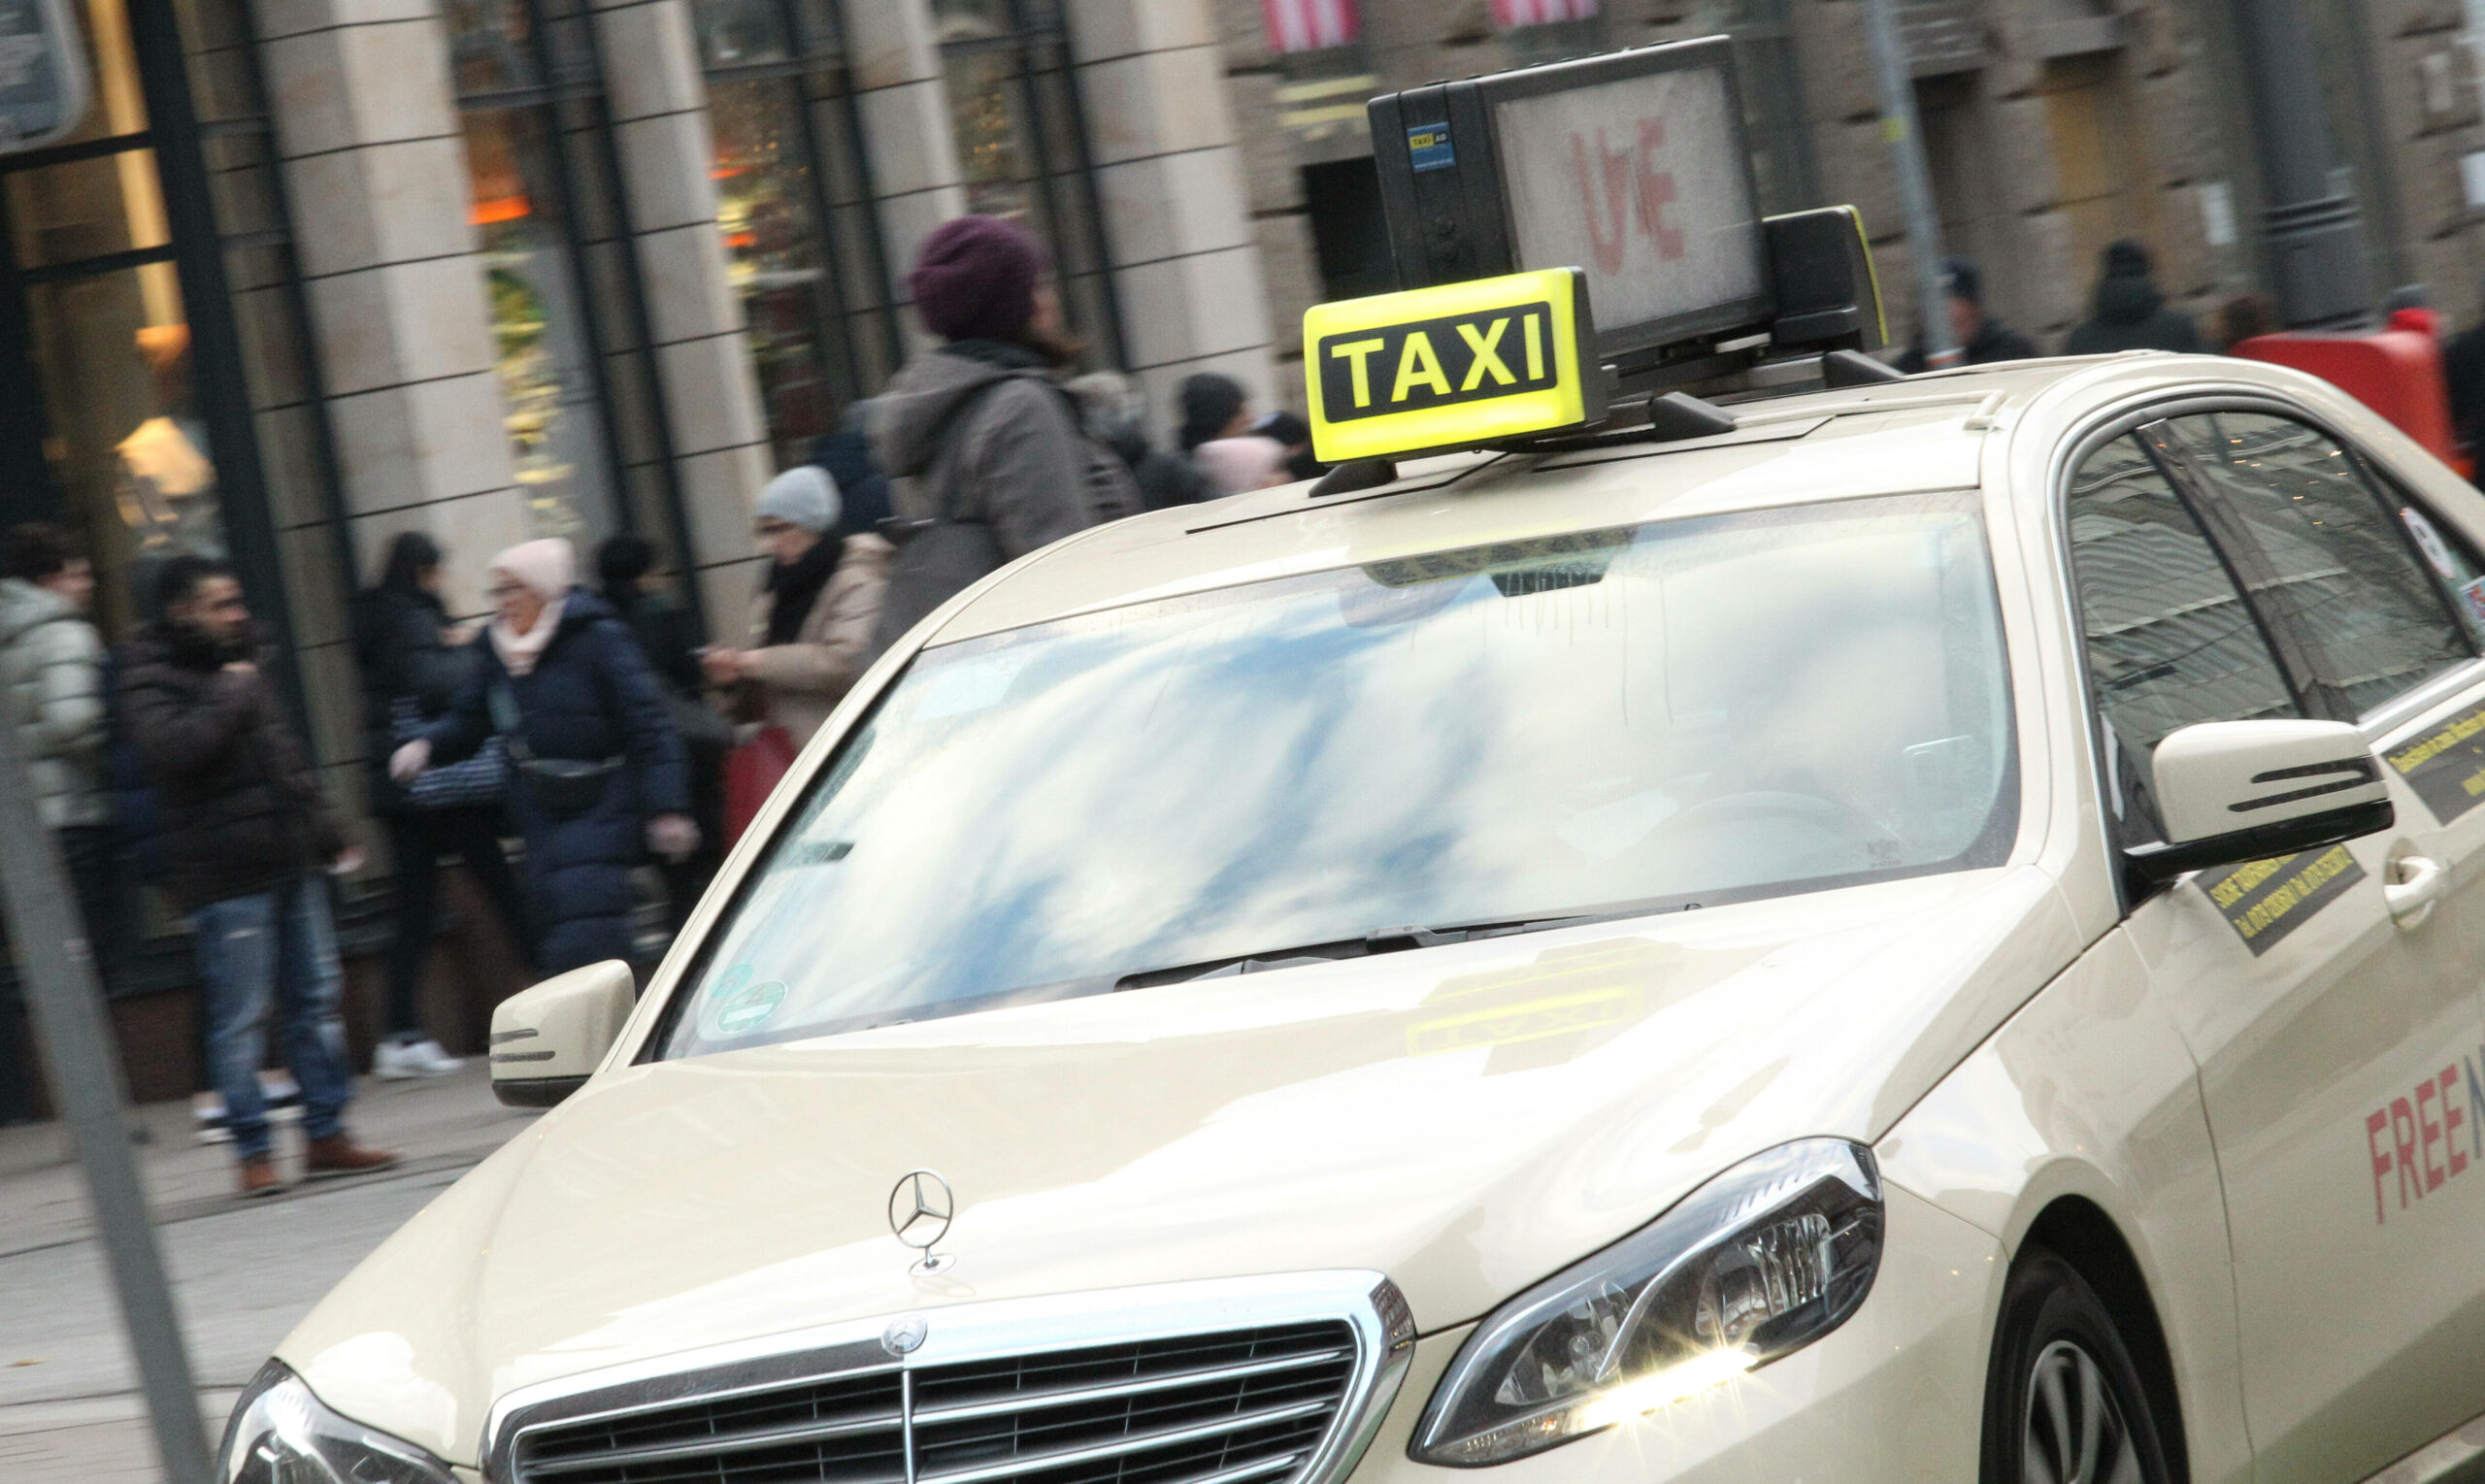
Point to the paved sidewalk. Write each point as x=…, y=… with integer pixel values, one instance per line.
x=244, y=1273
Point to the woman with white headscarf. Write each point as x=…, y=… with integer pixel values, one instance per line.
x=812, y=618
x=599, y=778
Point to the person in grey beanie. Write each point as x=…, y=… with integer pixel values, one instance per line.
x=986, y=457
x=812, y=618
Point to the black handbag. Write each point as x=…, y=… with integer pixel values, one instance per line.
x=563, y=787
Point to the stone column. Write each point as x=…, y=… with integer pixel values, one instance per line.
x=1185, y=264
x=367, y=131
x=904, y=101
x=711, y=410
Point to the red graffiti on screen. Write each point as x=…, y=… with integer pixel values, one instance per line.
x=1622, y=190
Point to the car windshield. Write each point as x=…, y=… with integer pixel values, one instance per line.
x=1677, y=715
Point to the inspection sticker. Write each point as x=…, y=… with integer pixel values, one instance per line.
x=2446, y=765
x=744, y=1006
x=2264, y=900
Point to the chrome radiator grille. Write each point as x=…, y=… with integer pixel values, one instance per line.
x=1235, y=1407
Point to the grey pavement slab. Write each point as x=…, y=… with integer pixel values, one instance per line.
x=244, y=1273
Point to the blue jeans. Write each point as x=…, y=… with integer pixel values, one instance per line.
x=276, y=948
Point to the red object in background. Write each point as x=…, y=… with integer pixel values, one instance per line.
x=2397, y=372
x=751, y=772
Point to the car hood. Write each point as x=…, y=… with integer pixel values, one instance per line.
x=1466, y=1119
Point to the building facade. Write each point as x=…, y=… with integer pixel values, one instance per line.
x=2052, y=127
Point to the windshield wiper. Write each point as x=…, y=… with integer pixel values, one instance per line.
x=1378, y=940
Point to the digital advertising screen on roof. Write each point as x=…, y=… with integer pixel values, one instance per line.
x=1632, y=167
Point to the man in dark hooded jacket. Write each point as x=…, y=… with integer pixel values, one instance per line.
x=247, y=832
x=985, y=455
x=2131, y=313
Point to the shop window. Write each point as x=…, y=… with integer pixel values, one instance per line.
x=547, y=386
x=1022, y=144
x=764, y=200
x=802, y=247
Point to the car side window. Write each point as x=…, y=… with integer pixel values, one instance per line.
x=2326, y=557
x=2444, y=550
x=2170, y=640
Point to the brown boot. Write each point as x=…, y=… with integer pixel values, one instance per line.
x=259, y=1176
x=337, y=1154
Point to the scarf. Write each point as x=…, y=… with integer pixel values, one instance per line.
x=519, y=652
x=792, y=590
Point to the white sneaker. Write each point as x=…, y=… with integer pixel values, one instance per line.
x=398, y=1061
x=207, y=1114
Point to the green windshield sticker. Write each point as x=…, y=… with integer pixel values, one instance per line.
x=742, y=1005
x=2446, y=764
x=2264, y=900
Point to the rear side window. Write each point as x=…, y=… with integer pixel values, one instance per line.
x=2170, y=640
x=2324, y=554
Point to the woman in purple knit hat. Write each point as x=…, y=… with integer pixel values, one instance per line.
x=985, y=452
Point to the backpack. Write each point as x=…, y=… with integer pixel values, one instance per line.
x=941, y=557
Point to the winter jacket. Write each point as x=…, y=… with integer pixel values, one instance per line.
x=978, y=429
x=242, y=810
x=2463, y=369
x=398, y=647
x=802, y=681
x=1164, y=479
x=589, y=697
x=51, y=669
x=2131, y=316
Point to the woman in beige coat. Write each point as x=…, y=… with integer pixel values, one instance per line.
x=811, y=620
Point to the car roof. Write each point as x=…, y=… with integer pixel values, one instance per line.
x=1921, y=434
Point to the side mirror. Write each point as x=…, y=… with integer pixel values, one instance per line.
x=2234, y=791
x=547, y=1040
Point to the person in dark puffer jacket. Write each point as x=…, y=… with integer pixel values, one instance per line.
x=563, y=669
x=246, y=834
x=2131, y=310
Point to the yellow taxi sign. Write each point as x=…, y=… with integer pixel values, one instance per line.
x=1455, y=366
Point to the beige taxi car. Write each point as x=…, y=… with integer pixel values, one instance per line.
x=1933, y=935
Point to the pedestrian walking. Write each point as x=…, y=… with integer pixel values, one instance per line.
x=2410, y=306
x=246, y=835
x=1294, y=431
x=414, y=662
x=846, y=455
x=2245, y=316
x=51, y=672
x=598, y=779
x=2464, y=373
x=818, y=608
x=2130, y=312
x=1981, y=337
x=1218, y=437
x=669, y=642
x=983, y=449
x=1111, y=411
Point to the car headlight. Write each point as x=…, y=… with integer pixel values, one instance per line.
x=1761, y=1260
x=281, y=1435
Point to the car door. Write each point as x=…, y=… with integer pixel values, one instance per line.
x=2307, y=1007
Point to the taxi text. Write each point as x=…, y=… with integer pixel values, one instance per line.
x=1405, y=368
x=2415, y=1142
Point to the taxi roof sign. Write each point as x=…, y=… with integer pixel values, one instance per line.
x=1455, y=366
